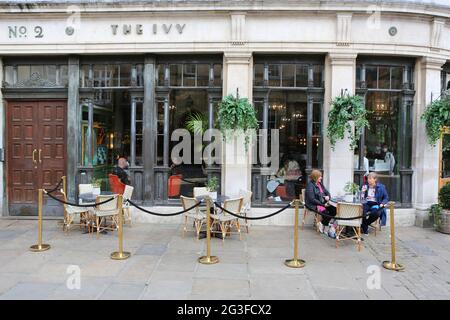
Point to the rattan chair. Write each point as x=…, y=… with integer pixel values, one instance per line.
x=349, y=210
x=195, y=214
x=307, y=211
x=226, y=221
x=106, y=211
x=246, y=204
x=71, y=212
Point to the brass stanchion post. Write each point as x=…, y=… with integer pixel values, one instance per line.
x=296, y=262
x=392, y=265
x=120, y=255
x=40, y=246
x=208, y=259
x=64, y=183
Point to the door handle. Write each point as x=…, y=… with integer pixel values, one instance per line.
x=34, y=152
x=40, y=160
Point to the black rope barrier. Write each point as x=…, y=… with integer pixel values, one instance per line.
x=80, y=205
x=251, y=218
x=55, y=188
x=163, y=214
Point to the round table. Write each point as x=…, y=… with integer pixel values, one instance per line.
x=88, y=198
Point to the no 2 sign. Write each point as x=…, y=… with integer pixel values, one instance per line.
x=22, y=32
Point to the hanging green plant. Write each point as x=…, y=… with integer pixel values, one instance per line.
x=344, y=109
x=237, y=115
x=437, y=117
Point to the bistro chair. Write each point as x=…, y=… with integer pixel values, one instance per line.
x=376, y=225
x=227, y=221
x=349, y=210
x=71, y=212
x=307, y=211
x=117, y=186
x=195, y=214
x=246, y=204
x=127, y=209
x=174, y=185
x=106, y=211
x=198, y=192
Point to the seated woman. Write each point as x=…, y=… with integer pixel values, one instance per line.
x=317, y=198
x=375, y=195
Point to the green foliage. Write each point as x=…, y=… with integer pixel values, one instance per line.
x=444, y=196
x=351, y=187
x=436, y=214
x=436, y=117
x=197, y=123
x=237, y=115
x=96, y=182
x=213, y=184
x=343, y=110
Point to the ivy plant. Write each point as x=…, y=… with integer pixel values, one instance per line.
x=436, y=117
x=237, y=115
x=344, y=109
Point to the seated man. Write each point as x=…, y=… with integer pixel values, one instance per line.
x=119, y=170
x=375, y=195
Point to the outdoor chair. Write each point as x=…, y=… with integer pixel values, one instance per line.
x=106, y=211
x=349, y=210
x=174, y=186
x=246, y=204
x=127, y=209
x=71, y=212
x=307, y=211
x=117, y=186
x=226, y=221
x=376, y=225
x=201, y=191
x=195, y=214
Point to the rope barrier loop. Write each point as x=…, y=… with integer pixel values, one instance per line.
x=164, y=214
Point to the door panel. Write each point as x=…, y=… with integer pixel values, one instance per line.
x=36, y=135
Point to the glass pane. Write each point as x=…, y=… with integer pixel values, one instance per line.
x=140, y=75
x=317, y=76
x=139, y=130
x=23, y=73
x=84, y=75
x=160, y=133
x=160, y=75
x=259, y=75
x=274, y=75
x=64, y=75
x=384, y=77
x=49, y=73
x=99, y=75
x=317, y=136
x=217, y=75
x=189, y=73
x=288, y=75
x=396, y=77
x=175, y=74
x=383, y=139
x=112, y=76
x=371, y=77
x=302, y=75
x=125, y=75
x=203, y=75
x=445, y=156
x=38, y=70
x=9, y=75
x=358, y=76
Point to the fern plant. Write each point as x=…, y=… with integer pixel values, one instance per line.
x=237, y=115
x=344, y=109
x=197, y=123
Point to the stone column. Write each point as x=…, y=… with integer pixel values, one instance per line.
x=340, y=71
x=237, y=164
x=425, y=158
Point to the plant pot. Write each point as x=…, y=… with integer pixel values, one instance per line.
x=213, y=195
x=444, y=226
x=96, y=191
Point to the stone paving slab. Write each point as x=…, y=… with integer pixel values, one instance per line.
x=163, y=265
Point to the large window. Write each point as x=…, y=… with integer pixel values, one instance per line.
x=385, y=147
x=104, y=75
x=35, y=75
x=186, y=92
x=288, y=97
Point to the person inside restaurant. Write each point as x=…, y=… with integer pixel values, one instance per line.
x=375, y=196
x=317, y=199
x=120, y=170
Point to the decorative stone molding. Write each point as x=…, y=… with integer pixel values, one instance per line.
x=238, y=29
x=343, y=59
x=237, y=57
x=343, y=29
x=431, y=63
x=436, y=34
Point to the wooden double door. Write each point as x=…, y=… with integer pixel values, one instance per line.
x=36, y=153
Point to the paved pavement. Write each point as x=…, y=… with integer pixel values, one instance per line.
x=163, y=265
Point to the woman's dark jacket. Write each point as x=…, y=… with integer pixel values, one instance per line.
x=313, y=196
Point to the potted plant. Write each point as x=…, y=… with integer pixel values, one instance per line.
x=237, y=116
x=351, y=189
x=212, y=186
x=96, y=184
x=441, y=212
x=347, y=110
x=437, y=117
